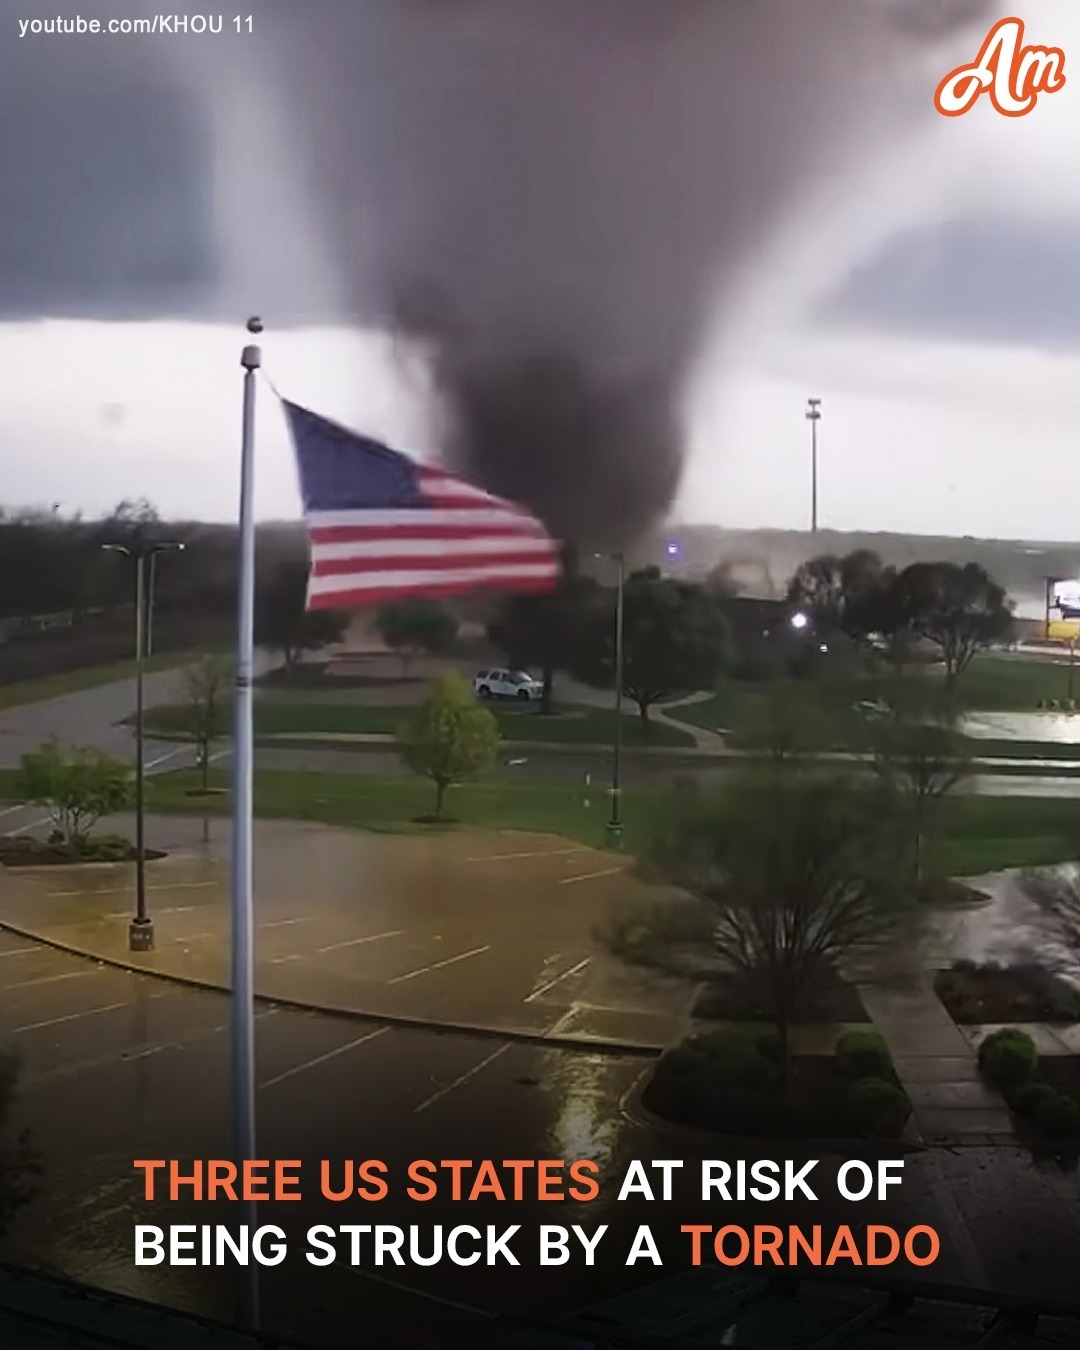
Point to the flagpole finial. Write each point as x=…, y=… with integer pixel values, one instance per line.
x=251, y=357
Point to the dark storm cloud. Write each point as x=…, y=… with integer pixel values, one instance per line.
x=104, y=161
x=1015, y=282
x=551, y=193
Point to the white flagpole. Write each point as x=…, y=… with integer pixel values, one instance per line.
x=243, y=922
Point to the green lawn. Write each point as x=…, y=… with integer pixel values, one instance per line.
x=88, y=677
x=390, y=803
x=979, y=834
x=993, y=683
x=566, y=726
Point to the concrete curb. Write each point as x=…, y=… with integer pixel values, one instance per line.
x=581, y=1044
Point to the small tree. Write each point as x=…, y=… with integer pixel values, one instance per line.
x=799, y=870
x=448, y=738
x=921, y=757
x=284, y=624
x=958, y=609
x=675, y=640
x=206, y=684
x=781, y=721
x=415, y=626
x=77, y=787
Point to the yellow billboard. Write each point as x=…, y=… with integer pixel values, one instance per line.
x=1063, y=630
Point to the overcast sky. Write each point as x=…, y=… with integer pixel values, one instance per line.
x=927, y=288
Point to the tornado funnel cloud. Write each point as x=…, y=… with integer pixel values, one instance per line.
x=573, y=186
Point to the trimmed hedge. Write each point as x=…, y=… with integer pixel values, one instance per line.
x=863, y=1054
x=879, y=1107
x=1007, y=1058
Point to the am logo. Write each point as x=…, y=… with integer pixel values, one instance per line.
x=1010, y=74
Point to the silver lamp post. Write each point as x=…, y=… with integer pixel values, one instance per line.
x=141, y=928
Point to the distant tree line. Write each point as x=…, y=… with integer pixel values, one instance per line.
x=52, y=564
x=956, y=609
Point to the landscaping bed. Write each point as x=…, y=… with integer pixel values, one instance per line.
x=1043, y=1094
x=722, y=1000
x=729, y=1082
x=974, y=995
x=24, y=851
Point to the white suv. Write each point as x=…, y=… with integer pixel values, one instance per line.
x=507, y=684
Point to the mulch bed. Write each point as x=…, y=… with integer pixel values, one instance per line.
x=1014, y=994
x=815, y=1107
x=1061, y=1072
x=837, y=1001
x=16, y=853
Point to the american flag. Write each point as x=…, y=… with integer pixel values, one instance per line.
x=383, y=527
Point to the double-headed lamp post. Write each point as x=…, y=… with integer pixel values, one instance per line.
x=615, y=825
x=141, y=928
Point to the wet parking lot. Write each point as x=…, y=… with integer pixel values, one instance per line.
x=478, y=929
x=118, y=1066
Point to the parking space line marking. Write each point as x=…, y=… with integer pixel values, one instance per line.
x=169, y=754
x=535, y=853
x=280, y=960
x=150, y=890
x=462, y=1080
x=174, y=909
x=194, y=937
x=591, y=876
x=22, y=951
x=439, y=965
x=285, y=923
x=562, y=1021
x=358, y=942
x=52, y=979
x=10, y=810
x=71, y=1017
x=44, y=820
x=574, y=970
x=321, y=1059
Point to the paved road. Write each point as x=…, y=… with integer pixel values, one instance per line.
x=118, y=1066
x=96, y=717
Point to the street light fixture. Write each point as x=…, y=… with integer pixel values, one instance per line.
x=813, y=416
x=615, y=825
x=800, y=622
x=141, y=928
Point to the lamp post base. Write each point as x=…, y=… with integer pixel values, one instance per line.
x=614, y=834
x=141, y=935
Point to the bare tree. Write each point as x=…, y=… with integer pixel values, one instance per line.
x=206, y=684
x=1056, y=894
x=921, y=756
x=800, y=870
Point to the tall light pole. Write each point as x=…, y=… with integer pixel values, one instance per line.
x=813, y=416
x=141, y=928
x=615, y=825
